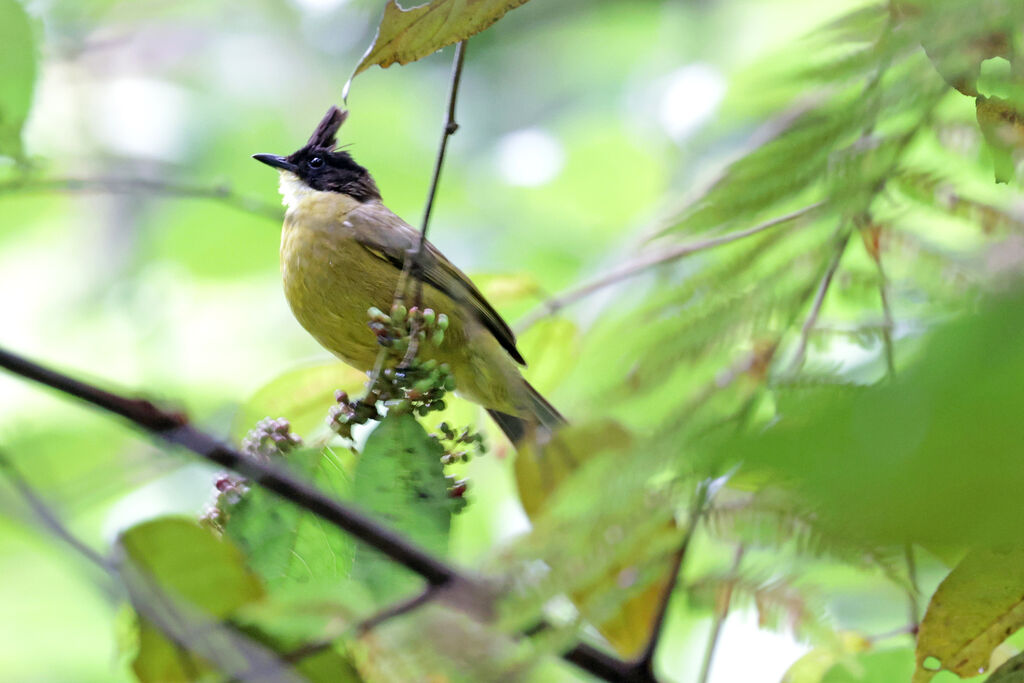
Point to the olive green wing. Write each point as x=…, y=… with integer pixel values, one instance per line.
x=389, y=238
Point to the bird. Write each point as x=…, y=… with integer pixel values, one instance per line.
x=343, y=251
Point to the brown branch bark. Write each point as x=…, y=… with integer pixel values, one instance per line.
x=174, y=429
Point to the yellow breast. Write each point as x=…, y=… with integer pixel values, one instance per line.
x=329, y=279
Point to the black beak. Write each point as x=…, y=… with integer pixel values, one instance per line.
x=275, y=161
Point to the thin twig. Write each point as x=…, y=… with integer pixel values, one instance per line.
x=219, y=193
x=173, y=429
x=645, y=662
x=413, y=257
x=192, y=632
x=46, y=516
x=638, y=266
x=720, y=615
x=450, y=126
x=398, y=609
x=913, y=590
x=888, y=325
x=819, y=300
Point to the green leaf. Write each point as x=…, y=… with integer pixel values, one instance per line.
x=191, y=564
x=177, y=571
x=407, y=35
x=303, y=395
x=399, y=480
x=285, y=544
x=884, y=666
x=974, y=609
x=18, y=64
x=540, y=472
x=930, y=457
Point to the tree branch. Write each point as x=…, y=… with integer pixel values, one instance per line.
x=722, y=613
x=398, y=609
x=888, y=325
x=450, y=126
x=219, y=193
x=819, y=300
x=913, y=590
x=174, y=429
x=641, y=264
x=47, y=517
x=412, y=258
x=187, y=629
x=645, y=662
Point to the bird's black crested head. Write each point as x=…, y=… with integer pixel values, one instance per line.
x=322, y=166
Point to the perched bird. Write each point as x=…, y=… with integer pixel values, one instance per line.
x=343, y=251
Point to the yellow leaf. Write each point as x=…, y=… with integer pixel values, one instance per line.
x=552, y=348
x=975, y=609
x=539, y=472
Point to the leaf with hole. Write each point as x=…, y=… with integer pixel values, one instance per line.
x=978, y=606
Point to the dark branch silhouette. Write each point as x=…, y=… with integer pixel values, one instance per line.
x=174, y=429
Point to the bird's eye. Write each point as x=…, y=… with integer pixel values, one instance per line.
x=315, y=162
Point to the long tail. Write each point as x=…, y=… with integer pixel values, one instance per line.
x=542, y=421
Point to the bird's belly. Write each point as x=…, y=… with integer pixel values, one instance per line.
x=330, y=283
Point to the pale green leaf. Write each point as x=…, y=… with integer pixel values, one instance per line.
x=552, y=348
x=175, y=559
x=18, y=64
x=883, y=666
x=812, y=667
x=302, y=395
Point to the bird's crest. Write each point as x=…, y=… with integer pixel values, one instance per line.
x=325, y=135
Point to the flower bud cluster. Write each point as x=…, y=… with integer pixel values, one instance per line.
x=270, y=438
x=406, y=384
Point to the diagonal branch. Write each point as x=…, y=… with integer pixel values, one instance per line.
x=645, y=662
x=819, y=300
x=641, y=264
x=725, y=601
x=398, y=609
x=187, y=629
x=174, y=429
x=47, y=517
x=887, y=324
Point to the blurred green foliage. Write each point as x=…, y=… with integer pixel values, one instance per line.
x=847, y=378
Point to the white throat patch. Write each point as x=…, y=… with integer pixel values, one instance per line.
x=293, y=190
